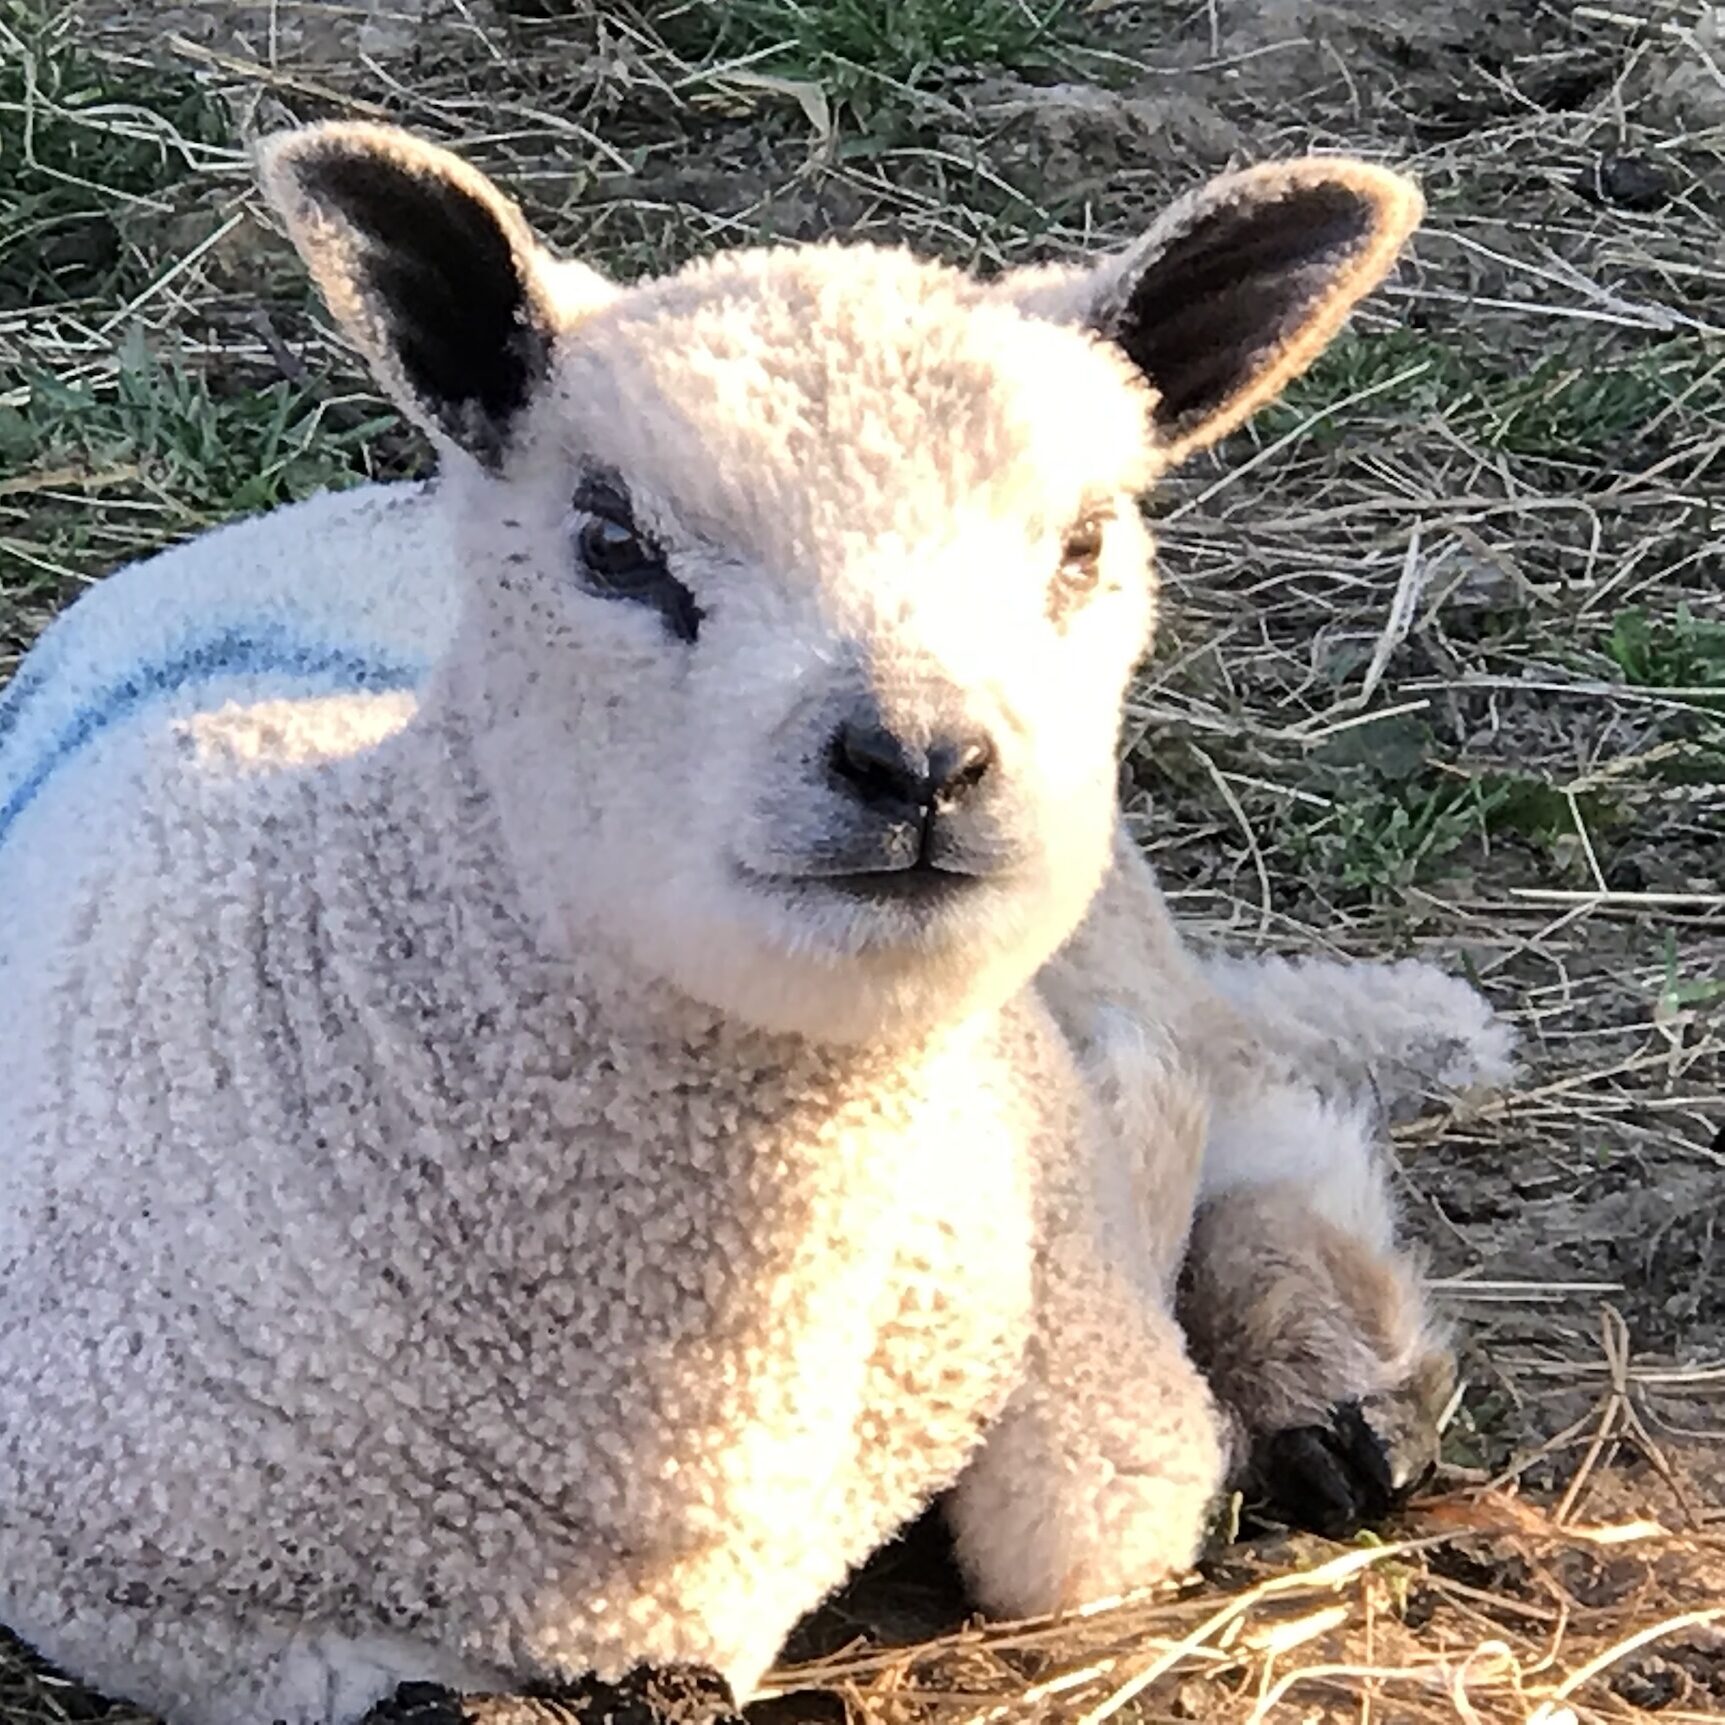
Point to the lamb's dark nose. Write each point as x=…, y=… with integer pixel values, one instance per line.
x=888, y=775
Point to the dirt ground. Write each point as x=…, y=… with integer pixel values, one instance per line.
x=1444, y=670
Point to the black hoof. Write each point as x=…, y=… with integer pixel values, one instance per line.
x=1337, y=1478
x=419, y=1704
x=648, y=1695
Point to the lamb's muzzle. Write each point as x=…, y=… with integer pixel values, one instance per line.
x=562, y=1157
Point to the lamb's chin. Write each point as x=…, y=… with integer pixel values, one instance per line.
x=828, y=965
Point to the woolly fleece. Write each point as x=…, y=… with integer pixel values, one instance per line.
x=480, y=1200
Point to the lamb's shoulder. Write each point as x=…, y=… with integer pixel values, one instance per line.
x=138, y=838
x=343, y=586
x=137, y=882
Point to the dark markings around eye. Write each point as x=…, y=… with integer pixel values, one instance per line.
x=1080, y=566
x=617, y=560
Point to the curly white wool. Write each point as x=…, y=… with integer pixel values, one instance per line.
x=477, y=1204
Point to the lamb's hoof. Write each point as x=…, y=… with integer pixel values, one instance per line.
x=650, y=1695
x=419, y=1704
x=1338, y=1477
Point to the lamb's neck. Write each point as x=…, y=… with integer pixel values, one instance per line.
x=416, y=854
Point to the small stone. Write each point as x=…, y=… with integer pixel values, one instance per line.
x=1627, y=182
x=1626, y=875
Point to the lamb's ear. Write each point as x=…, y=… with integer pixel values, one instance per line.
x=432, y=273
x=1238, y=288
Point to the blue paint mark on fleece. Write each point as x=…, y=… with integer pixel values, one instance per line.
x=234, y=652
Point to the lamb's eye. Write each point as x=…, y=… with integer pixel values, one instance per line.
x=619, y=561
x=1080, y=567
x=617, y=554
x=1083, y=544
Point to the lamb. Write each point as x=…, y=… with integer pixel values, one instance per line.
x=585, y=1038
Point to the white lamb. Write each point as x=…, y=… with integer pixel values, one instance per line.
x=584, y=1039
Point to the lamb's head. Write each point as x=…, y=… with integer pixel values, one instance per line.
x=804, y=585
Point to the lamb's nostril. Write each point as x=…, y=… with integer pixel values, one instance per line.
x=878, y=767
x=956, y=768
x=883, y=770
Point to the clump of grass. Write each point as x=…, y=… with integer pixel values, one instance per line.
x=1428, y=375
x=88, y=150
x=1373, y=845
x=204, y=453
x=1570, y=406
x=1681, y=651
x=865, y=52
x=1396, y=810
x=1679, y=993
x=122, y=462
x=1573, y=406
x=1379, y=839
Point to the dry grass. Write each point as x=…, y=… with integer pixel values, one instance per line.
x=1486, y=1607
x=1445, y=669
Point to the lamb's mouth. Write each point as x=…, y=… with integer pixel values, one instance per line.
x=921, y=885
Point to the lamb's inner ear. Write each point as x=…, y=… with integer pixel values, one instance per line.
x=1239, y=287
x=429, y=269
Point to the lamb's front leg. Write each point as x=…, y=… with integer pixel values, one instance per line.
x=1104, y=1470
x=1299, y=1299
x=1308, y=1318
x=1298, y=1303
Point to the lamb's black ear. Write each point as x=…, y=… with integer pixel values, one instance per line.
x=432, y=273
x=1238, y=288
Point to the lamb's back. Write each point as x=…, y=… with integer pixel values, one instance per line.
x=346, y=592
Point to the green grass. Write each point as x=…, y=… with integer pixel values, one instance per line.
x=1679, y=993
x=150, y=452
x=90, y=155
x=1384, y=832
x=1573, y=407
x=1419, y=374
x=1681, y=651
x=1373, y=844
x=201, y=455
x=866, y=55
x=1580, y=405
x=1399, y=810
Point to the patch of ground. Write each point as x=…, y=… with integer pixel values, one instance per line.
x=1444, y=670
